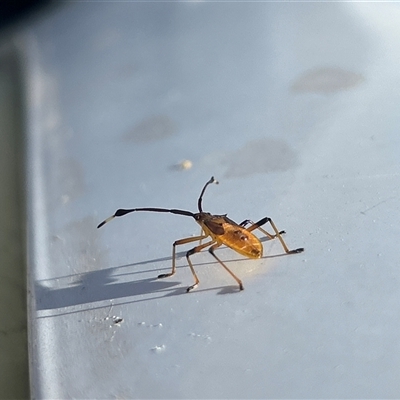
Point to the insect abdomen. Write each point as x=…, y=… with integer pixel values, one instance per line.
x=242, y=241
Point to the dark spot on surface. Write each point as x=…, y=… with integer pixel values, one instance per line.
x=260, y=156
x=152, y=129
x=326, y=80
x=117, y=320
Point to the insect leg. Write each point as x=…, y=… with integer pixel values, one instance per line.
x=202, y=233
x=256, y=226
x=211, y=250
x=189, y=253
x=263, y=221
x=177, y=243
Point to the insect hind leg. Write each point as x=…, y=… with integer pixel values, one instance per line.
x=255, y=225
x=211, y=251
x=278, y=234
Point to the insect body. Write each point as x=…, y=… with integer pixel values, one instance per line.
x=220, y=230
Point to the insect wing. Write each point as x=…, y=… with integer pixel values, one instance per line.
x=215, y=226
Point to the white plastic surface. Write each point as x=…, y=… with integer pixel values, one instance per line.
x=294, y=107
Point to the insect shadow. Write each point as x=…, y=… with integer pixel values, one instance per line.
x=95, y=286
x=105, y=285
x=219, y=230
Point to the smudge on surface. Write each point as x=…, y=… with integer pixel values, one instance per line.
x=152, y=129
x=326, y=80
x=260, y=156
x=70, y=176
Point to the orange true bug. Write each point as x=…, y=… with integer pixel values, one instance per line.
x=221, y=230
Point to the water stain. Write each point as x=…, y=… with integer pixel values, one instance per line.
x=70, y=177
x=260, y=156
x=326, y=80
x=152, y=129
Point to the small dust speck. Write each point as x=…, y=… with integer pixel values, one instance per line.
x=117, y=320
x=182, y=165
x=203, y=337
x=185, y=164
x=158, y=349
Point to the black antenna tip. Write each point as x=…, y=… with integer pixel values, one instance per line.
x=101, y=224
x=105, y=221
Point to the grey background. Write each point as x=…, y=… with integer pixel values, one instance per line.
x=294, y=108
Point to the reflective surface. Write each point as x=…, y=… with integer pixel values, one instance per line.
x=293, y=107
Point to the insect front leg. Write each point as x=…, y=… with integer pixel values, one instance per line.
x=188, y=254
x=202, y=233
x=211, y=250
x=278, y=234
x=177, y=243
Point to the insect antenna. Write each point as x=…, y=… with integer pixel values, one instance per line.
x=121, y=212
x=212, y=180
